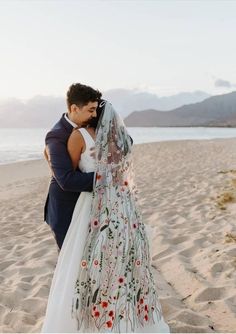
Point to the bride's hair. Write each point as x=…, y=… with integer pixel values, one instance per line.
x=94, y=122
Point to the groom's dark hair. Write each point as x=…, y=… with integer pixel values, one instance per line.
x=81, y=95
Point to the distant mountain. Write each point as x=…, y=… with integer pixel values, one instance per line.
x=44, y=111
x=126, y=101
x=38, y=112
x=215, y=111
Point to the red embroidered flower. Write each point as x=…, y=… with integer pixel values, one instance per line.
x=94, y=308
x=97, y=314
x=134, y=225
x=146, y=317
x=109, y=323
x=104, y=304
x=141, y=301
x=121, y=280
x=95, y=262
x=95, y=224
x=138, y=262
x=111, y=313
x=83, y=264
x=126, y=183
x=98, y=176
x=146, y=308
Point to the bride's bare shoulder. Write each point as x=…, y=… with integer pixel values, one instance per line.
x=75, y=135
x=76, y=140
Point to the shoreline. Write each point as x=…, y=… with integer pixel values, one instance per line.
x=139, y=144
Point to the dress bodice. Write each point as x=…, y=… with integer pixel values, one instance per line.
x=87, y=163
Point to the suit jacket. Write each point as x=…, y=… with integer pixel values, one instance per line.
x=66, y=184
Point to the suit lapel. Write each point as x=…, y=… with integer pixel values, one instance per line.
x=66, y=124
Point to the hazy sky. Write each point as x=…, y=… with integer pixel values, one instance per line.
x=164, y=47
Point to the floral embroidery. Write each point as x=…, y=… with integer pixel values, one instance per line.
x=111, y=313
x=138, y=262
x=83, y=264
x=95, y=224
x=98, y=176
x=121, y=280
x=104, y=304
x=115, y=282
x=97, y=314
x=95, y=262
x=109, y=323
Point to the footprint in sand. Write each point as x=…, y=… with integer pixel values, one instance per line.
x=210, y=294
x=10, y=318
x=231, y=302
x=38, y=254
x=181, y=328
x=27, y=279
x=190, y=252
x=34, y=306
x=2, y=310
x=232, y=252
x=191, y=318
x=179, y=240
x=202, y=242
x=217, y=268
x=178, y=226
x=24, y=286
x=42, y=292
x=164, y=253
x=2, y=278
x=5, y=264
x=28, y=319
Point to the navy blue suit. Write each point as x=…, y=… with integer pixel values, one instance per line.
x=66, y=184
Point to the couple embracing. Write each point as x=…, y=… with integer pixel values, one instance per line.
x=103, y=280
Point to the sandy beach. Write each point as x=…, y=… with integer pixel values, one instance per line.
x=187, y=192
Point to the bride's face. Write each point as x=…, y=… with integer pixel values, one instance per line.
x=83, y=115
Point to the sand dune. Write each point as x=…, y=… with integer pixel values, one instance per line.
x=188, y=198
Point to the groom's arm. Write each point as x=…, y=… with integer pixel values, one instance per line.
x=62, y=169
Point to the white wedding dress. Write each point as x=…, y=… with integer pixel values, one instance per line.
x=58, y=314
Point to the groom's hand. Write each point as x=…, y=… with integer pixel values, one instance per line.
x=47, y=157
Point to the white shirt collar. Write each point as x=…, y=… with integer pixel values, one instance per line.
x=69, y=121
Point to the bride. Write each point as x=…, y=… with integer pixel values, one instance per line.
x=103, y=281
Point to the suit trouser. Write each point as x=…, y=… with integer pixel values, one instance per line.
x=59, y=238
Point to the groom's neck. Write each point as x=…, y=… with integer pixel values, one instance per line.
x=69, y=115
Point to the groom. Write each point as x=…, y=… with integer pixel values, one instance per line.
x=66, y=184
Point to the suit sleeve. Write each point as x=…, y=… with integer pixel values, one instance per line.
x=61, y=165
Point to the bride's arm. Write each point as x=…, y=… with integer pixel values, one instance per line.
x=75, y=147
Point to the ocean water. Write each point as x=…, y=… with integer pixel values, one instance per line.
x=28, y=144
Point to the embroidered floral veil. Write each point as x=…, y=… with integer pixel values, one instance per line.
x=115, y=282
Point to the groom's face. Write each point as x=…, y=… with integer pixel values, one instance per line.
x=82, y=115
